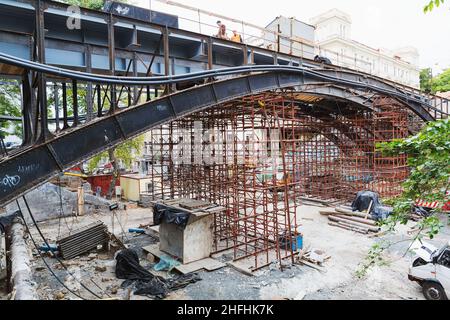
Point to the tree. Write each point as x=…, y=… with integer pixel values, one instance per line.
x=432, y=4
x=441, y=83
x=123, y=153
x=10, y=105
x=429, y=180
x=90, y=4
x=426, y=80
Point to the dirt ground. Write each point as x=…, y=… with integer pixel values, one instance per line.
x=347, y=249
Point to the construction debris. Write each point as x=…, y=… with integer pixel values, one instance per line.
x=314, y=256
x=83, y=240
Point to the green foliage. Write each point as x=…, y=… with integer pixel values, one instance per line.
x=90, y=4
x=426, y=80
x=432, y=4
x=441, y=83
x=429, y=160
x=123, y=152
x=10, y=105
x=373, y=258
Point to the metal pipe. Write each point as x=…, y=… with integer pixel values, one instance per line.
x=21, y=275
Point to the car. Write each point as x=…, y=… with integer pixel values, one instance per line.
x=431, y=269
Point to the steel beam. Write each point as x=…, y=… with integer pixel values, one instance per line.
x=34, y=166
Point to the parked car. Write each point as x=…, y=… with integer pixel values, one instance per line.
x=431, y=269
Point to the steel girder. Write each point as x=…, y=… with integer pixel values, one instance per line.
x=37, y=164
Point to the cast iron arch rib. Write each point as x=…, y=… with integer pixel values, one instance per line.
x=35, y=165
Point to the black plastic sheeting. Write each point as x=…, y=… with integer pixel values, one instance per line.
x=172, y=216
x=322, y=59
x=144, y=282
x=362, y=203
x=7, y=220
x=423, y=212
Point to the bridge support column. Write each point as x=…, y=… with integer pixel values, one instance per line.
x=39, y=43
x=112, y=61
x=89, y=88
x=28, y=109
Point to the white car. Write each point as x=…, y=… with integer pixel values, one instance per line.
x=431, y=269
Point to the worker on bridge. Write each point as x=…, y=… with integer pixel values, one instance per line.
x=236, y=37
x=222, y=34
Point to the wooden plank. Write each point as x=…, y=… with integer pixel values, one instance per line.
x=369, y=209
x=352, y=213
x=337, y=225
x=357, y=219
x=311, y=265
x=194, y=204
x=241, y=269
x=208, y=264
x=356, y=224
x=154, y=250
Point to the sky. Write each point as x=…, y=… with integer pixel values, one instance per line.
x=377, y=23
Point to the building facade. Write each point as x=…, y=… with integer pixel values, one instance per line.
x=333, y=40
x=296, y=38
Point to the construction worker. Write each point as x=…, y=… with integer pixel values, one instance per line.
x=222, y=34
x=236, y=37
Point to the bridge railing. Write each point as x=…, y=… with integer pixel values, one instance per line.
x=204, y=22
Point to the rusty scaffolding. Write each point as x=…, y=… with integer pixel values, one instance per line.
x=260, y=156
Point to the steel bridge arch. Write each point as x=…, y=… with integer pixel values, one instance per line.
x=36, y=164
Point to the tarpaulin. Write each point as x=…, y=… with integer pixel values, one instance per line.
x=6, y=220
x=362, y=203
x=144, y=282
x=169, y=215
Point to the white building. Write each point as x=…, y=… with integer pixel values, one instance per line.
x=333, y=37
x=296, y=38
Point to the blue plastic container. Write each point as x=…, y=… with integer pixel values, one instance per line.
x=297, y=243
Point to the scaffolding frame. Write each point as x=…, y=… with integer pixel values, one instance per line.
x=259, y=156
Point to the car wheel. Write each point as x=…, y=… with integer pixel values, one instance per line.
x=433, y=291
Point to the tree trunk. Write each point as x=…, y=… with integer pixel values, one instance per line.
x=113, y=160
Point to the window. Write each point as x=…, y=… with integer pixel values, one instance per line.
x=445, y=259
